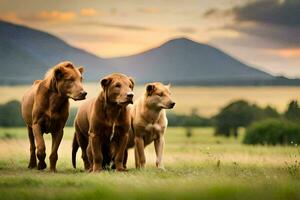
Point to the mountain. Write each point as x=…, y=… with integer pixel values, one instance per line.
x=26, y=54
x=183, y=60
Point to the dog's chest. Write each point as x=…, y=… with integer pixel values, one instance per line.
x=53, y=122
x=152, y=132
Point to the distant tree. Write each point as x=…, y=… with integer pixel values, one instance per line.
x=10, y=114
x=270, y=112
x=237, y=114
x=187, y=120
x=293, y=111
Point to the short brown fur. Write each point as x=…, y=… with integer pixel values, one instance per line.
x=102, y=124
x=45, y=109
x=149, y=122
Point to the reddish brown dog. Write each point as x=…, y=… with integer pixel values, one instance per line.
x=102, y=124
x=45, y=109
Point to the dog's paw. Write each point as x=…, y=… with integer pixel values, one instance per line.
x=41, y=165
x=121, y=169
x=32, y=165
x=159, y=166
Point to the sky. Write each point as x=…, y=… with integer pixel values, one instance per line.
x=262, y=33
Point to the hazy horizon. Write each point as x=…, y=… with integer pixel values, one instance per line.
x=263, y=34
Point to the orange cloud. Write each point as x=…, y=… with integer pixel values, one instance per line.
x=286, y=53
x=150, y=10
x=88, y=12
x=11, y=17
x=56, y=16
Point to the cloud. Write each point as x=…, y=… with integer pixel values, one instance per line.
x=149, y=10
x=285, y=53
x=276, y=22
x=51, y=16
x=41, y=16
x=116, y=26
x=11, y=17
x=214, y=12
x=186, y=30
x=272, y=12
x=124, y=26
x=88, y=12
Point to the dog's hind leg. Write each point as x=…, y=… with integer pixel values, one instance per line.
x=83, y=143
x=125, y=158
x=32, y=162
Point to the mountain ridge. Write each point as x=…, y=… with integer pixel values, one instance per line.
x=178, y=60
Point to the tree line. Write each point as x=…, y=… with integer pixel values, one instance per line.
x=264, y=125
x=10, y=116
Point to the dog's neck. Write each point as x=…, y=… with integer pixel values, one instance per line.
x=55, y=100
x=109, y=109
x=149, y=113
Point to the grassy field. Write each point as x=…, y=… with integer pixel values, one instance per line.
x=199, y=167
x=208, y=100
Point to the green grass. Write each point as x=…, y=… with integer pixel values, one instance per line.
x=200, y=167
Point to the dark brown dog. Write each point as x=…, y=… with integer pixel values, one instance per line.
x=45, y=109
x=102, y=124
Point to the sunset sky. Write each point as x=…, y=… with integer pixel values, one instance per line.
x=262, y=33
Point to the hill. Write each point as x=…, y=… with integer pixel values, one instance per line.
x=26, y=54
x=183, y=60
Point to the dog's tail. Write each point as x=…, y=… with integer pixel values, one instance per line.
x=75, y=147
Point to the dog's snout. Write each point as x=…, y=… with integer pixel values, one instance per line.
x=172, y=104
x=130, y=94
x=83, y=93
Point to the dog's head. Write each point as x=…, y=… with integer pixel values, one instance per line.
x=67, y=80
x=158, y=96
x=118, y=89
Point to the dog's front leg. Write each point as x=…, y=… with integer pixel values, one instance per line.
x=56, y=139
x=96, y=152
x=159, y=150
x=139, y=145
x=40, y=144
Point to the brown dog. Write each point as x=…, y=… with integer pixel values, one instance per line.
x=45, y=109
x=149, y=122
x=102, y=124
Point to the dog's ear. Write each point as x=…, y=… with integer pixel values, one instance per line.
x=58, y=73
x=105, y=82
x=81, y=69
x=150, y=88
x=168, y=86
x=132, y=81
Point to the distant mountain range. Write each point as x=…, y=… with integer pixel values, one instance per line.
x=26, y=54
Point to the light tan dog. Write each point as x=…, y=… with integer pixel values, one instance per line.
x=102, y=124
x=149, y=122
x=45, y=109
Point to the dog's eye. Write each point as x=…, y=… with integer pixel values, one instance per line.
x=118, y=85
x=160, y=94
